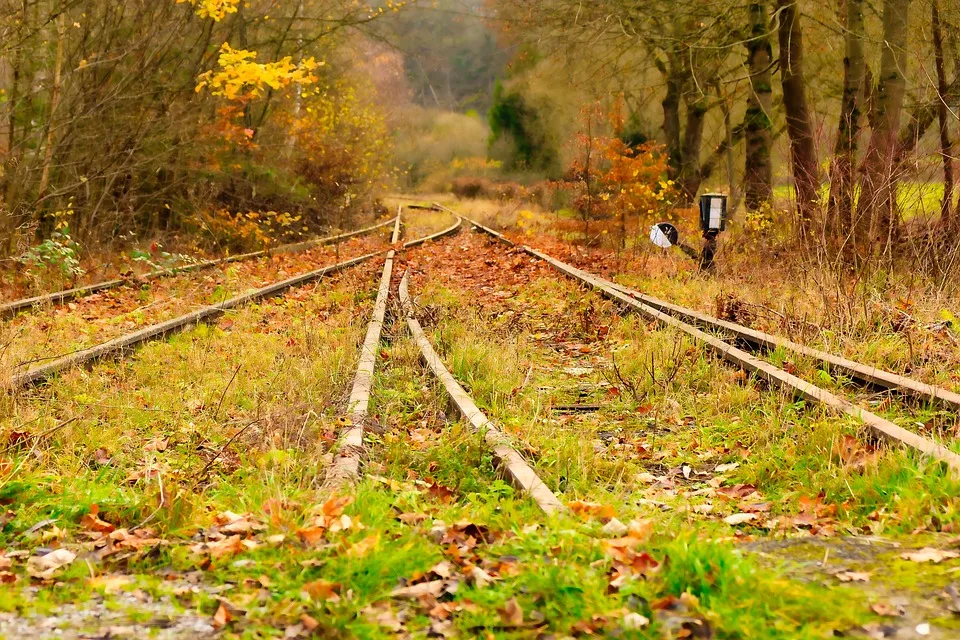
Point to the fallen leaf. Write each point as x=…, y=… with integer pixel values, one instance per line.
x=739, y=518
x=220, y=548
x=853, y=576
x=46, y=567
x=511, y=615
x=363, y=547
x=887, y=610
x=591, y=509
x=92, y=522
x=633, y=621
x=309, y=623
x=929, y=554
x=433, y=588
x=322, y=590
x=222, y=617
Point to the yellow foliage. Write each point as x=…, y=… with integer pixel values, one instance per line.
x=216, y=9
x=241, y=76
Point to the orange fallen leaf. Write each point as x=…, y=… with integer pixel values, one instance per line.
x=363, y=547
x=591, y=509
x=92, y=522
x=309, y=623
x=322, y=590
x=311, y=536
x=511, y=615
x=222, y=617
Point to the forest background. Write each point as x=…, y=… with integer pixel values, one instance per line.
x=227, y=124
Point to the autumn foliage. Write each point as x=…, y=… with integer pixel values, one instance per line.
x=182, y=118
x=611, y=180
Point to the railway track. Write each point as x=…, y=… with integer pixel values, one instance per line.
x=125, y=344
x=657, y=311
x=346, y=466
x=11, y=309
x=511, y=463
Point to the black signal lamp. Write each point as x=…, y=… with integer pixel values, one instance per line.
x=713, y=213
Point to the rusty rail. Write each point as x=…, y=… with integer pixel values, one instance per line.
x=10, y=309
x=346, y=466
x=512, y=464
x=125, y=344
x=881, y=427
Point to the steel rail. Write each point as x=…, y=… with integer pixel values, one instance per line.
x=436, y=236
x=126, y=343
x=520, y=474
x=350, y=451
x=10, y=309
x=865, y=373
x=881, y=427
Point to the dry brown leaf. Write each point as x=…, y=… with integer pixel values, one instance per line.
x=229, y=546
x=591, y=509
x=887, y=610
x=511, y=615
x=91, y=521
x=363, y=547
x=853, y=576
x=309, y=623
x=740, y=518
x=311, y=536
x=322, y=590
x=47, y=566
x=433, y=588
x=222, y=617
x=929, y=554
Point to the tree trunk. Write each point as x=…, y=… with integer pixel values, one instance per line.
x=734, y=198
x=840, y=216
x=671, y=119
x=689, y=178
x=758, y=172
x=803, y=152
x=946, y=148
x=876, y=217
x=54, y=106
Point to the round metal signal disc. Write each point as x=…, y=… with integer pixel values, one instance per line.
x=664, y=235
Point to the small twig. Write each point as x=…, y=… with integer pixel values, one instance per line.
x=223, y=395
x=222, y=450
x=159, y=507
x=526, y=380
